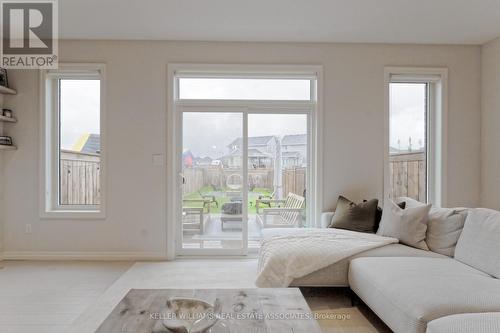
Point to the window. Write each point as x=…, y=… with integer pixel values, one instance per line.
x=415, y=145
x=408, y=140
x=245, y=89
x=73, y=141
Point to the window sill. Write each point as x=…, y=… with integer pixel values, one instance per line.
x=73, y=214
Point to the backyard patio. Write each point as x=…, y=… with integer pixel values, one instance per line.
x=210, y=221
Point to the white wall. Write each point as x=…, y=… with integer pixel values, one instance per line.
x=490, y=134
x=136, y=129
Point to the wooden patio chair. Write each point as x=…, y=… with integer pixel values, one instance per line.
x=189, y=226
x=267, y=200
x=209, y=199
x=287, y=216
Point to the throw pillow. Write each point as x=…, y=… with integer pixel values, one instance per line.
x=378, y=216
x=479, y=243
x=409, y=225
x=355, y=217
x=444, y=228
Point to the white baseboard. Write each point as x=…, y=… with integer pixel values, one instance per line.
x=95, y=256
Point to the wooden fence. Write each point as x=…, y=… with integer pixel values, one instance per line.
x=80, y=182
x=408, y=176
x=294, y=181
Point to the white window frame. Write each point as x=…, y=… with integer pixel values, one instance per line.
x=437, y=126
x=49, y=142
x=175, y=106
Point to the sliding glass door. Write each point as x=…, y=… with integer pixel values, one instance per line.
x=242, y=156
x=241, y=172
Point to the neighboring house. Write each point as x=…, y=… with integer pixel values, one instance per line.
x=294, y=150
x=266, y=144
x=202, y=161
x=88, y=144
x=262, y=152
x=291, y=159
x=86, y=148
x=256, y=159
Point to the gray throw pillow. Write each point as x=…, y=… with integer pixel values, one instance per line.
x=355, y=217
x=409, y=225
x=444, y=228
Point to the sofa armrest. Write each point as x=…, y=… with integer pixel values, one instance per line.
x=326, y=218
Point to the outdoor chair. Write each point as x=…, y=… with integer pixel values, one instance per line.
x=266, y=200
x=209, y=199
x=287, y=216
x=193, y=207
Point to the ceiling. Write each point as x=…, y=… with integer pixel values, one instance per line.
x=353, y=21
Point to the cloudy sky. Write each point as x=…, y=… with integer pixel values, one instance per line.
x=80, y=104
x=407, y=115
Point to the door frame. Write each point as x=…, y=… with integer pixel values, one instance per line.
x=176, y=107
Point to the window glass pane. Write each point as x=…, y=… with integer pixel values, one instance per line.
x=212, y=186
x=246, y=89
x=79, y=141
x=277, y=170
x=408, y=140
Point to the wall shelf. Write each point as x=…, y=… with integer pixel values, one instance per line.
x=6, y=147
x=7, y=91
x=8, y=120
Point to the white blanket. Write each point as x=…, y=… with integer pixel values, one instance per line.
x=292, y=253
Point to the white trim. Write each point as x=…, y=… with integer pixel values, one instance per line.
x=81, y=255
x=47, y=206
x=246, y=70
x=283, y=71
x=438, y=113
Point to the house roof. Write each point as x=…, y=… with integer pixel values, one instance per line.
x=88, y=144
x=295, y=139
x=253, y=141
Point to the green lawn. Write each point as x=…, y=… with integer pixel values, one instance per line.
x=221, y=198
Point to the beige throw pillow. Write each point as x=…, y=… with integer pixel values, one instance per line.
x=409, y=225
x=443, y=228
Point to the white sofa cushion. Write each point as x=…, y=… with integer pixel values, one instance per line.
x=336, y=275
x=479, y=243
x=444, y=228
x=409, y=225
x=466, y=323
x=407, y=293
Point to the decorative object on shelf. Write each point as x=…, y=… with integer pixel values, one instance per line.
x=6, y=113
x=5, y=140
x=4, y=79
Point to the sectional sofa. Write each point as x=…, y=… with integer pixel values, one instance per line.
x=453, y=287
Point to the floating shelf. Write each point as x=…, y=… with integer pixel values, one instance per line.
x=7, y=91
x=8, y=120
x=6, y=147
